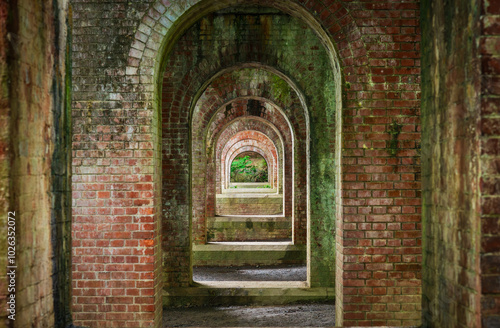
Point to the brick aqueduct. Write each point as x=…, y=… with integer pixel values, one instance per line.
x=379, y=122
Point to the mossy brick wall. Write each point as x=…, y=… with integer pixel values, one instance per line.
x=248, y=229
x=228, y=204
x=117, y=58
x=113, y=105
x=35, y=158
x=461, y=156
x=450, y=154
x=116, y=246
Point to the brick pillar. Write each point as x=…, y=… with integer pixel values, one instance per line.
x=490, y=163
x=379, y=237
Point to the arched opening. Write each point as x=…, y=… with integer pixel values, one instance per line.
x=181, y=49
x=219, y=85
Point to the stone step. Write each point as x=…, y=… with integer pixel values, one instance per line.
x=272, y=197
x=247, y=228
x=249, y=191
x=248, y=253
x=250, y=185
x=249, y=204
x=210, y=293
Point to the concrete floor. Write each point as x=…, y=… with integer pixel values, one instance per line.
x=296, y=315
x=251, y=273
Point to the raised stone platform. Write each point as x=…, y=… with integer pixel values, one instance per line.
x=249, y=203
x=249, y=228
x=245, y=293
x=249, y=185
x=248, y=253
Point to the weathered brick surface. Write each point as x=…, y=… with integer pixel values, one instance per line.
x=119, y=50
x=489, y=56
x=249, y=229
x=235, y=204
x=378, y=281
x=35, y=159
x=461, y=275
x=116, y=208
x=451, y=149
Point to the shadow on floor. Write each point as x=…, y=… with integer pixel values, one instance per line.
x=295, y=315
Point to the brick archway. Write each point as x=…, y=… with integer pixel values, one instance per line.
x=381, y=90
x=248, y=138
x=246, y=147
x=298, y=74
x=221, y=103
x=293, y=140
x=254, y=124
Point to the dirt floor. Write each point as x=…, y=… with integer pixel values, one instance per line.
x=250, y=273
x=296, y=315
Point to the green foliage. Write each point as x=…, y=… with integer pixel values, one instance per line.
x=240, y=165
x=243, y=169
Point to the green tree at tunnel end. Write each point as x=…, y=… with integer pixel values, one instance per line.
x=243, y=169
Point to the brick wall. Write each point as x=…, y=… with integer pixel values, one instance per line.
x=116, y=207
x=249, y=229
x=379, y=238
x=461, y=154
x=35, y=145
x=229, y=204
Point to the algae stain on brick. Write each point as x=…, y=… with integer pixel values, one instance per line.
x=281, y=90
x=329, y=92
x=394, y=130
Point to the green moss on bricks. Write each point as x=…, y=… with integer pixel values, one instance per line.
x=329, y=94
x=394, y=131
x=281, y=90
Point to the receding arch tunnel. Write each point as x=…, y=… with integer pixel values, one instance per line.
x=100, y=136
x=283, y=69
